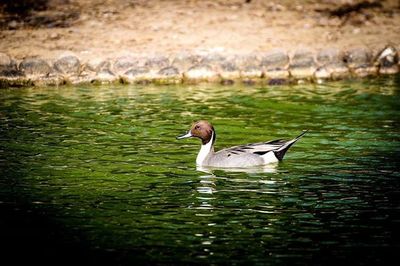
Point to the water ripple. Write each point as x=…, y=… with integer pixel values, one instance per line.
x=105, y=162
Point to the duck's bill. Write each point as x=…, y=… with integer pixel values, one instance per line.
x=185, y=136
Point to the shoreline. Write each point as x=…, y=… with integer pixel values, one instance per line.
x=272, y=67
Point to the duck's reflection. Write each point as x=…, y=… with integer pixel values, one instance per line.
x=269, y=168
x=207, y=186
x=209, y=204
x=206, y=189
x=205, y=196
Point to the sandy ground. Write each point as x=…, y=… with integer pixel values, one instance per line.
x=108, y=28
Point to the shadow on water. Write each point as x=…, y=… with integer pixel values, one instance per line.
x=29, y=230
x=31, y=237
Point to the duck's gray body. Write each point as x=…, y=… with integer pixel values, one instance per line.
x=255, y=154
x=225, y=158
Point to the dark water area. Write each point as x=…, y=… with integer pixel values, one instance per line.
x=94, y=175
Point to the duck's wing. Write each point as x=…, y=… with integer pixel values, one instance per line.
x=255, y=148
x=279, y=147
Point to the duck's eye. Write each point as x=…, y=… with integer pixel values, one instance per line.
x=197, y=127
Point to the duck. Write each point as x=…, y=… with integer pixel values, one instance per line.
x=247, y=155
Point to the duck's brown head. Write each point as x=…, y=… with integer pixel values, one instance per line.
x=201, y=129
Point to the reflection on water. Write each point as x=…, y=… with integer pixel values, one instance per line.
x=102, y=163
x=269, y=168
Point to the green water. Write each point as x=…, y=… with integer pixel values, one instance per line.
x=101, y=169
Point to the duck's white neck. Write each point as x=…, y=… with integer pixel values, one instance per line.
x=205, y=150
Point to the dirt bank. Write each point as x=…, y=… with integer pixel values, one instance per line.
x=98, y=28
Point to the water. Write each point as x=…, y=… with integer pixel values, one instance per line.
x=95, y=174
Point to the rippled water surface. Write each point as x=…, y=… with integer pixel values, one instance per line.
x=95, y=174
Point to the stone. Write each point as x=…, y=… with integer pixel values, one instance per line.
x=213, y=59
x=229, y=66
x=274, y=65
x=357, y=58
x=251, y=72
x=13, y=24
x=124, y=63
x=359, y=61
x=105, y=74
x=168, y=75
x=228, y=70
x=388, y=60
x=183, y=61
x=200, y=73
x=5, y=60
x=157, y=63
x=276, y=74
x=55, y=36
x=35, y=66
x=331, y=65
x=97, y=71
x=276, y=59
x=248, y=61
x=249, y=67
x=224, y=65
x=322, y=73
x=339, y=71
x=329, y=56
x=302, y=65
x=97, y=65
x=8, y=67
x=169, y=71
x=68, y=65
x=103, y=77
x=302, y=59
x=135, y=72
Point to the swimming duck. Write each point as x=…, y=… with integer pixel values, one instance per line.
x=248, y=155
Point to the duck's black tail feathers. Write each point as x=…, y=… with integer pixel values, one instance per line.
x=280, y=153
